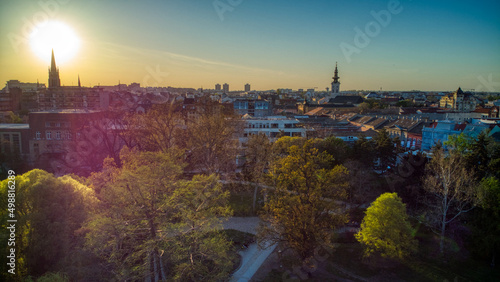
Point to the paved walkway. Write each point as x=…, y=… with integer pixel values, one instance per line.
x=245, y=224
x=251, y=260
x=253, y=257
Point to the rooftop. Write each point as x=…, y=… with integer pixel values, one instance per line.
x=14, y=126
x=67, y=111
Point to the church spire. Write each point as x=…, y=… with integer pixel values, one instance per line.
x=53, y=62
x=336, y=74
x=79, y=85
x=335, y=82
x=54, y=80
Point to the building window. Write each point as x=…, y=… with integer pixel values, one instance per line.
x=38, y=135
x=58, y=135
x=68, y=135
x=5, y=142
x=48, y=135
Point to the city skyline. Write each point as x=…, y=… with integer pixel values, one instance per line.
x=393, y=45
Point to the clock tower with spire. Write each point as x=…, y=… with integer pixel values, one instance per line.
x=335, y=82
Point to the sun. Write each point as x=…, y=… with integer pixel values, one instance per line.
x=54, y=35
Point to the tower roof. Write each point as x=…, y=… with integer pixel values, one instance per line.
x=336, y=74
x=53, y=62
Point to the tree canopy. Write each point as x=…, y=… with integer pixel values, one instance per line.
x=385, y=228
x=147, y=210
x=302, y=211
x=49, y=212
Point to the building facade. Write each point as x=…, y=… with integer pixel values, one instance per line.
x=273, y=127
x=254, y=108
x=459, y=101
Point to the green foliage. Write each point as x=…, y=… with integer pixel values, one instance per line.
x=201, y=256
x=49, y=211
x=13, y=118
x=364, y=151
x=258, y=155
x=302, y=210
x=385, y=228
x=53, y=277
x=336, y=147
x=405, y=103
x=486, y=220
x=151, y=219
x=385, y=150
x=461, y=142
x=282, y=146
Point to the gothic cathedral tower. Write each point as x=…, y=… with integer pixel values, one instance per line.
x=54, y=80
x=335, y=82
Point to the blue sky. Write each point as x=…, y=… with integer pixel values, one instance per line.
x=428, y=45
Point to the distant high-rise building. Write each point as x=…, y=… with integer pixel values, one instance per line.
x=54, y=80
x=225, y=88
x=335, y=82
x=247, y=87
x=217, y=87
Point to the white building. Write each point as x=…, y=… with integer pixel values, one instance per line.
x=273, y=126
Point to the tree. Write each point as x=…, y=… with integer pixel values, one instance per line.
x=452, y=189
x=200, y=254
x=335, y=147
x=385, y=228
x=49, y=211
x=281, y=147
x=486, y=220
x=210, y=139
x=362, y=181
x=303, y=209
x=145, y=207
x=258, y=156
x=385, y=151
x=364, y=151
x=156, y=130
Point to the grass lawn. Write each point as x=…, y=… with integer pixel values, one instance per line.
x=348, y=256
x=346, y=262
x=241, y=200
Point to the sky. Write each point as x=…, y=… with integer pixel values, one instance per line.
x=378, y=44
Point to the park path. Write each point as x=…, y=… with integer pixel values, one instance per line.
x=252, y=258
